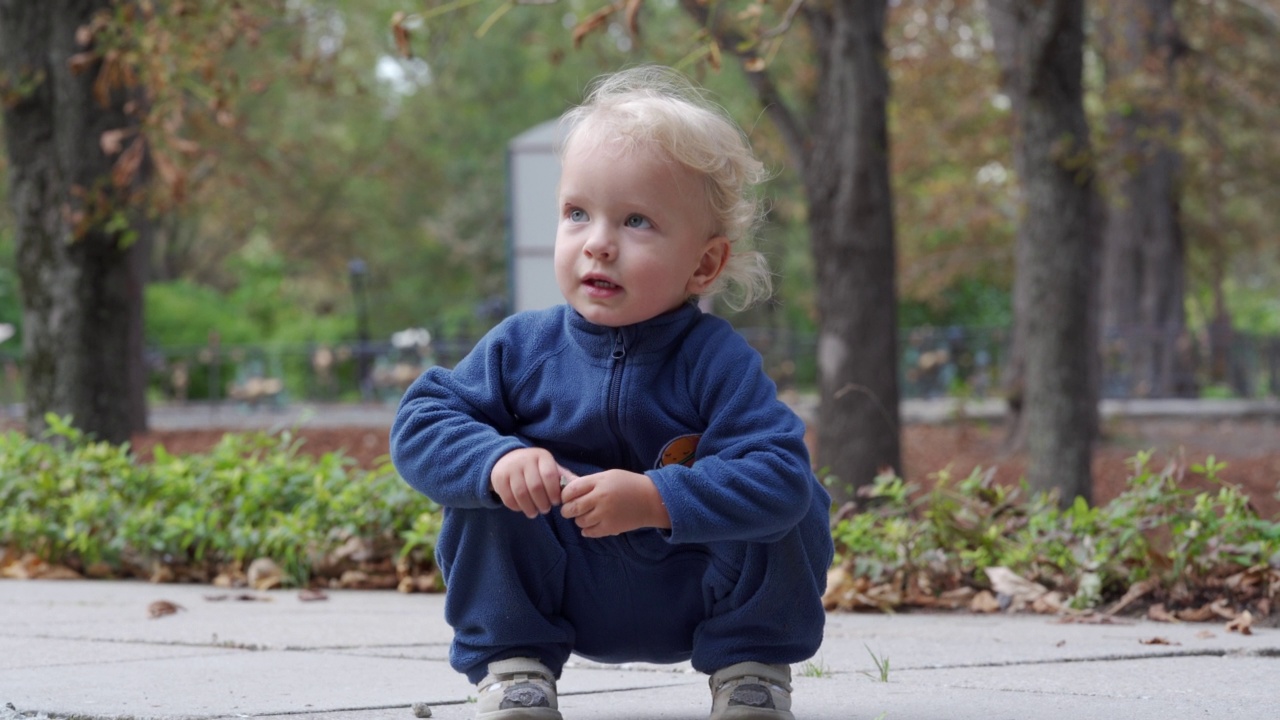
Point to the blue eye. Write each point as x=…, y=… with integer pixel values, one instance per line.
x=638, y=221
x=577, y=215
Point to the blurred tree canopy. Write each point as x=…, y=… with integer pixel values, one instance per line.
x=317, y=174
x=286, y=137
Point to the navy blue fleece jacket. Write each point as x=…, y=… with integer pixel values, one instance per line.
x=640, y=398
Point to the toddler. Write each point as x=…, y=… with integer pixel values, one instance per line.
x=618, y=477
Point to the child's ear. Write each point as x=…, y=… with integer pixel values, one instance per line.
x=714, y=257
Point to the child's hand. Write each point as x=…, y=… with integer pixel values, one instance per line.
x=613, y=502
x=528, y=481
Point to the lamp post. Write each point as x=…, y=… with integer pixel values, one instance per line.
x=358, y=270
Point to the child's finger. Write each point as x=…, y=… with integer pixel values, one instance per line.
x=563, y=478
x=520, y=494
x=572, y=488
x=538, y=495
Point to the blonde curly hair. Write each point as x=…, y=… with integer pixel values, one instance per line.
x=656, y=107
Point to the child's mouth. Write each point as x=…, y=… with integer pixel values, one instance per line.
x=602, y=284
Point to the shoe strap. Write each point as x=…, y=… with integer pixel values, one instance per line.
x=517, y=670
x=745, y=672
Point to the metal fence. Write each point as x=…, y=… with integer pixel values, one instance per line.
x=935, y=362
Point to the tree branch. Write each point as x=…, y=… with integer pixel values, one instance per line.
x=1268, y=13
x=785, y=25
x=744, y=48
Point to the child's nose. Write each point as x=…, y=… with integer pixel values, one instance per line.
x=601, y=245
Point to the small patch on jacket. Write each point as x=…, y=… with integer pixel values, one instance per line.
x=680, y=451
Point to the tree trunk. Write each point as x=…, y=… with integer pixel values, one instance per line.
x=841, y=150
x=80, y=265
x=1144, y=260
x=1040, y=47
x=846, y=179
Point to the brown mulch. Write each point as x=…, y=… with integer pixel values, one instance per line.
x=1249, y=447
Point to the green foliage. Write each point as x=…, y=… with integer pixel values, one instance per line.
x=183, y=314
x=1156, y=529
x=81, y=503
x=970, y=302
x=264, y=308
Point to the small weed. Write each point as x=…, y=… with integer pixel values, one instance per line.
x=882, y=665
x=815, y=669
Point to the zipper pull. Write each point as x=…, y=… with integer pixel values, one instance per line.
x=619, y=347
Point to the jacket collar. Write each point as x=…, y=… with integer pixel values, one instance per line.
x=651, y=336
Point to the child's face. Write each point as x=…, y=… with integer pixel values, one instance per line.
x=635, y=238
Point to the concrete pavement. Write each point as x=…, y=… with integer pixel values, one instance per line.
x=90, y=649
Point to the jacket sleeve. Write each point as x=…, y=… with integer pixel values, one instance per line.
x=452, y=426
x=751, y=479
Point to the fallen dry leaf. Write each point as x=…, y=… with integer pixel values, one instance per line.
x=1206, y=634
x=311, y=595
x=1200, y=614
x=1020, y=591
x=837, y=580
x=23, y=568
x=59, y=572
x=1136, y=592
x=1051, y=603
x=161, y=573
x=230, y=576
x=417, y=583
x=1157, y=641
x=1159, y=614
x=160, y=608
x=1222, y=609
x=1243, y=623
x=984, y=602
x=264, y=574
x=361, y=580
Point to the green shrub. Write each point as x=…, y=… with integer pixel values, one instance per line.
x=1186, y=542
x=79, y=503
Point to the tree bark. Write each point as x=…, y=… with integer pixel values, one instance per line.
x=79, y=263
x=1144, y=259
x=840, y=147
x=1040, y=47
x=846, y=180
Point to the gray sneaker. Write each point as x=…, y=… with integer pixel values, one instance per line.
x=751, y=691
x=518, y=689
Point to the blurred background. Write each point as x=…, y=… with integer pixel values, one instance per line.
x=332, y=207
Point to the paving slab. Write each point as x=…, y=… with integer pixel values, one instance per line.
x=118, y=611
x=935, y=640
x=267, y=682
x=21, y=653
x=88, y=650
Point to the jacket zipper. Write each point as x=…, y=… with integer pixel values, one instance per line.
x=615, y=398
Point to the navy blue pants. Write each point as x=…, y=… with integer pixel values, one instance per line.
x=520, y=587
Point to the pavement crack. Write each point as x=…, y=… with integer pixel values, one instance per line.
x=443, y=703
x=1120, y=657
